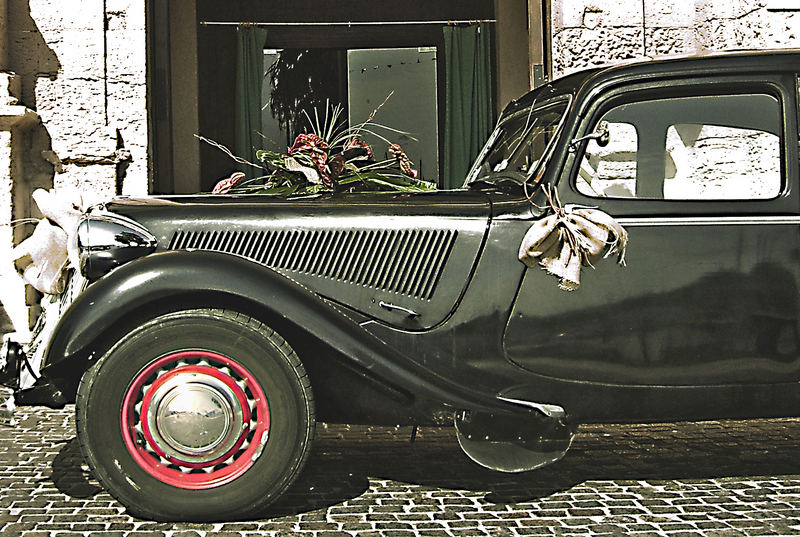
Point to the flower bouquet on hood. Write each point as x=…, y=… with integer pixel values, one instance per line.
x=330, y=158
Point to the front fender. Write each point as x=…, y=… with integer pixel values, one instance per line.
x=143, y=288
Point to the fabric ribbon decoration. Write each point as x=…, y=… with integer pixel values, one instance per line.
x=570, y=238
x=43, y=256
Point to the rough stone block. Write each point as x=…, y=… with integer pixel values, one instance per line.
x=759, y=29
x=593, y=13
x=126, y=58
x=575, y=48
x=658, y=13
x=73, y=111
x=79, y=51
x=665, y=41
x=727, y=9
x=129, y=14
x=135, y=182
x=776, y=29
x=96, y=182
x=52, y=17
x=588, y=32
x=127, y=105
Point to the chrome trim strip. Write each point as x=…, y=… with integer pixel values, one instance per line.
x=551, y=411
x=393, y=307
x=707, y=221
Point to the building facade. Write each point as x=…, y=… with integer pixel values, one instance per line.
x=107, y=96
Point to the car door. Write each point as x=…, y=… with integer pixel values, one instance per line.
x=703, y=175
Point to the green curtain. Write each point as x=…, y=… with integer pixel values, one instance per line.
x=469, y=106
x=249, y=76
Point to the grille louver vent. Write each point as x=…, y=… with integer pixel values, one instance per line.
x=403, y=261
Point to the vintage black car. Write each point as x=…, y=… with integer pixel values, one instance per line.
x=214, y=331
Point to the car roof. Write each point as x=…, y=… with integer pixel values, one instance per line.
x=746, y=61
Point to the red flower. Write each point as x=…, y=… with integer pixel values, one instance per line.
x=224, y=186
x=316, y=148
x=355, y=143
x=396, y=152
x=308, y=142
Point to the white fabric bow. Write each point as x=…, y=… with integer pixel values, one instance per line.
x=43, y=256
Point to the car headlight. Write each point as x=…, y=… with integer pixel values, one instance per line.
x=104, y=241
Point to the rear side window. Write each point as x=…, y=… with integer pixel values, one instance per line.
x=721, y=147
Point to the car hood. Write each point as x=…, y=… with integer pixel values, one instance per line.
x=398, y=258
x=437, y=203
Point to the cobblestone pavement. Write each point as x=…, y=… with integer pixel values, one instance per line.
x=711, y=478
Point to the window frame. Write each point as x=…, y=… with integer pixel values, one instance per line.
x=533, y=171
x=677, y=105
x=776, y=85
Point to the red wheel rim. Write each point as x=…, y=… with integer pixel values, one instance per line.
x=195, y=419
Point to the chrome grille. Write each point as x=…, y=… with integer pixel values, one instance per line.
x=404, y=261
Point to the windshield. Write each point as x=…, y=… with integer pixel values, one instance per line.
x=518, y=144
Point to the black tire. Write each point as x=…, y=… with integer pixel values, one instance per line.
x=255, y=358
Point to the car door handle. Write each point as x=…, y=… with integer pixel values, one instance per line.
x=393, y=307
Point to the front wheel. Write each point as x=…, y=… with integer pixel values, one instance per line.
x=196, y=415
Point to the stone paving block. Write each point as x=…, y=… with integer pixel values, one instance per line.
x=398, y=533
x=433, y=533
x=381, y=517
x=460, y=524
x=383, y=509
x=534, y=530
x=121, y=526
x=760, y=531
x=470, y=533
x=357, y=526
x=347, y=519
x=415, y=517
x=448, y=515
x=586, y=512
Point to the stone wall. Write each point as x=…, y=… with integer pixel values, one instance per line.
x=80, y=66
x=87, y=84
x=597, y=32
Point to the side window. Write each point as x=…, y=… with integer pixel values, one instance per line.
x=722, y=147
x=610, y=171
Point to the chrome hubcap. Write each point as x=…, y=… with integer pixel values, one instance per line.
x=195, y=417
